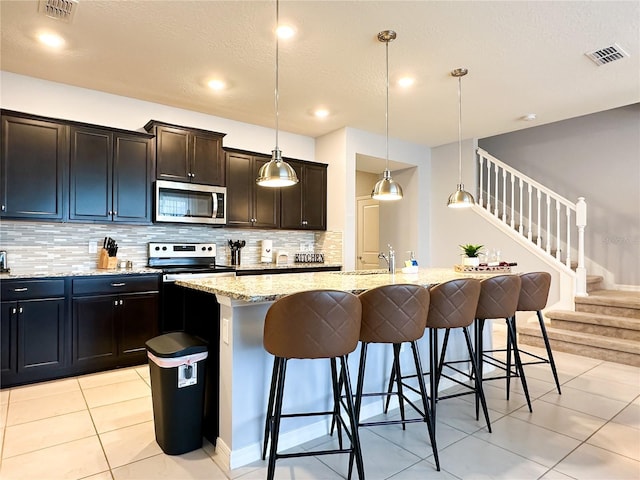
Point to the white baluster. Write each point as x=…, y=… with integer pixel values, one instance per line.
x=481, y=162
x=513, y=205
x=497, y=193
x=539, y=221
x=504, y=195
x=489, y=163
x=548, y=244
x=568, y=259
x=558, y=252
x=521, y=226
x=529, y=231
x=581, y=271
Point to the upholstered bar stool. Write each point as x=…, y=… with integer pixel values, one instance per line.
x=499, y=299
x=316, y=324
x=453, y=305
x=534, y=293
x=396, y=314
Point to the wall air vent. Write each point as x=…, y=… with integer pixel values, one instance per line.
x=607, y=55
x=63, y=10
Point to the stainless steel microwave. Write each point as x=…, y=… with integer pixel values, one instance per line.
x=190, y=203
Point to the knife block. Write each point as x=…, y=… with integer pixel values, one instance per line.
x=106, y=262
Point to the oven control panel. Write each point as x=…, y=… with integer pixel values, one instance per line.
x=182, y=250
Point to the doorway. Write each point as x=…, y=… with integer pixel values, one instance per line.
x=367, y=233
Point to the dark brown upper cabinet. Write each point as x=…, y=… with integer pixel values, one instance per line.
x=188, y=154
x=33, y=165
x=249, y=205
x=110, y=175
x=304, y=206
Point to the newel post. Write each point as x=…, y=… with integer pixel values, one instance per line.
x=581, y=271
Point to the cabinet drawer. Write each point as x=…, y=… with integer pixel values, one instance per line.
x=25, y=289
x=116, y=284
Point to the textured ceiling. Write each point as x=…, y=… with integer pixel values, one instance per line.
x=522, y=57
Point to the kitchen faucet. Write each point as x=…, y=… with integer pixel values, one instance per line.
x=390, y=259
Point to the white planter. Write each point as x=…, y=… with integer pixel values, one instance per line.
x=471, y=261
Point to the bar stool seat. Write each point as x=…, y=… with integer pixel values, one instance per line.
x=534, y=294
x=499, y=299
x=316, y=324
x=396, y=314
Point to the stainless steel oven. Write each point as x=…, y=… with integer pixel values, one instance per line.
x=190, y=203
x=182, y=261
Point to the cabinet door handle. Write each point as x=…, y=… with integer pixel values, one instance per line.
x=110, y=212
x=3, y=208
x=14, y=310
x=121, y=302
x=22, y=289
x=115, y=302
x=121, y=284
x=20, y=310
x=115, y=212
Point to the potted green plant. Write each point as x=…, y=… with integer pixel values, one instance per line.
x=471, y=253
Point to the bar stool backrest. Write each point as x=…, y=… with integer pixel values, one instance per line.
x=313, y=324
x=453, y=303
x=534, y=291
x=499, y=297
x=394, y=313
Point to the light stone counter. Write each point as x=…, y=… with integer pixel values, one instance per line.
x=20, y=273
x=245, y=367
x=267, y=288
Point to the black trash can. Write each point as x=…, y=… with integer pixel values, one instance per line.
x=177, y=368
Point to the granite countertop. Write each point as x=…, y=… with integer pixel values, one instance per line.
x=17, y=273
x=267, y=288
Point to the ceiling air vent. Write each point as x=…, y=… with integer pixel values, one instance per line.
x=63, y=10
x=607, y=55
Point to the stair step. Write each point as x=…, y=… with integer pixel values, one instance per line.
x=594, y=282
x=595, y=323
x=585, y=344
x=610, y=302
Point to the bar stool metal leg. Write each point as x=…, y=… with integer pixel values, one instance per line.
x=548, y=347
x=275, y=420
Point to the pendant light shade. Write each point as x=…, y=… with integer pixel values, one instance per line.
x=460, y=198
x=386, y=188
x=276, y=172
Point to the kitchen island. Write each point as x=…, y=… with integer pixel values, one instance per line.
x=245, y=367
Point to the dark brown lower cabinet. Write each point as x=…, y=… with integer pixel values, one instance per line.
x=112, y=318
x=32, y=330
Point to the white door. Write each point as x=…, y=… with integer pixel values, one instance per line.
x=367, y=236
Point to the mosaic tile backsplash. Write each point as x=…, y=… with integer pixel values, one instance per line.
x=56, y=246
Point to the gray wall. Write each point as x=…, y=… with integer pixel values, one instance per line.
x=597, y=157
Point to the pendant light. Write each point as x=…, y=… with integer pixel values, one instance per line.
x=460, y=198
x=386, y=188
x=276, y=172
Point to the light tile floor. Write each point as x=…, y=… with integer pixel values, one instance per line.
x=100, y=427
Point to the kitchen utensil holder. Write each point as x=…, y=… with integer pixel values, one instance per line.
x=106, y=262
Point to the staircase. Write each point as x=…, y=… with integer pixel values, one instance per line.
x=604, y=325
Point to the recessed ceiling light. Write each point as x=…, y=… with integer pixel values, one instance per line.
x=406, y=82
x=285, y=31
x=529, y=117
x=321, y=113
x=51, y=40
x=216, y=84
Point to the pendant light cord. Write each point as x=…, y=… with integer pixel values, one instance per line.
x=277, y=62
x=460, y=130
x=387, y=106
